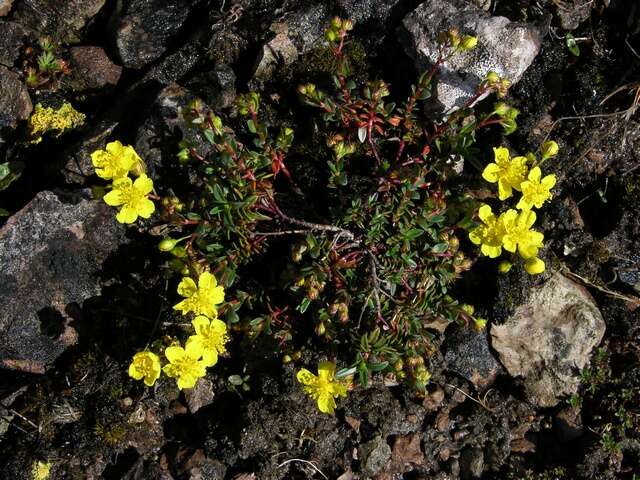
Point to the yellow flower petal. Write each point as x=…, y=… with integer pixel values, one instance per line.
x=146, y=208
x=491, y=172
x=326, y=403
x=187, y=381
x=504, y=189
x=207, y=281
x=127, y=214
x=501, y=156
x=174, y=353
x=326, y=370
x=549, y=181
x=485, y=213
x=113, y=198
x=535, y=174
x=187, y=287
x=194, y=350
x=200, y=324
x=305, y=377
x=144, y=184
x=491, y=251
x=134, y=372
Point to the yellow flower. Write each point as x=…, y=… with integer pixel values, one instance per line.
x=324, y=387
x=518, y=234
x=185, y=364
x=549, y=149
x=116, y=161
x=145, y=365
x=133, y=198
x=536, y=191
x=534, y=266
x=40, y=470
x=488, y=236
x=201, y=299
x=211, y=336
x=508, y=172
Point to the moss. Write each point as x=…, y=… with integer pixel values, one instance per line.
x=111, y=435
x=46, y=119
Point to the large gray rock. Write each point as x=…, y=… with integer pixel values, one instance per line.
x=374, y=455
x=63, y=21
x=505, y=47
x=372, y=13
x=50, y=253
x=15, y=103
x=144, y=32
x=548, y=339
x=79, y=167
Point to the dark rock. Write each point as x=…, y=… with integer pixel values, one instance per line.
x=573, y=12
x=50, y=253
x=144, y=32
x=199, y=396
x=79, y=167
x=5, y=7
x=468, y=354
x=471, y=463
x=12, y=39
x=568, y=423
x=158, y=137
x=296, y=34
x=63, y=21
x=371, y=13
x=174, y=67
x=226, y=46
x=92, y=68
x=374, y=455
x=549, y=339
x=505, y=47
x=15, y=104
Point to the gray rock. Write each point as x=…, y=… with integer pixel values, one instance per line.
x=5, y=7
x=63, y=21
x=144, y=32
x=226, y=46
x=92, y=68
x=279, y=51
x=568, y=423
x=79, y=167
x=15, y=103
x=175, y=66
x=296, y=34
x=573, y=12
x=12, y=39
x=468, y=354
x=374, y=455
x=372, y=13
x=199, y=396
x=549, y=338
x=505, y=47
x=50, y=253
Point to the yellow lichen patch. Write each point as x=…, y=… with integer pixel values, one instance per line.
x=47, y=119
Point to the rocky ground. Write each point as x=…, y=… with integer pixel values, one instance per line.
x=549, y=391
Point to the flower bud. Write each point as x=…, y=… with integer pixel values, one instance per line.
x=330, y=35
x=287, y=359
x=347, y=25
x=534, y=266
x=167, y=244
x=320, y=329
x=505, y=266
x=479, y=324
x=501, y=109
x=549, y=149
x=179, y=252
x=336, y=22
x=468, y=42
x=492, y=78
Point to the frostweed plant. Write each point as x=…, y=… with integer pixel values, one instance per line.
x=512, y=229
x=371, y=261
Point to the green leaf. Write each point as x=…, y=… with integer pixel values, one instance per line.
x=571, y=44
x=236, y=380
x=251, y=125
x=194, y=216
x=413, y=234
x=345, y=372
x=378, y=367
x=440, y=247
x=4, y=213
x=363, y=374
x=304, y=305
